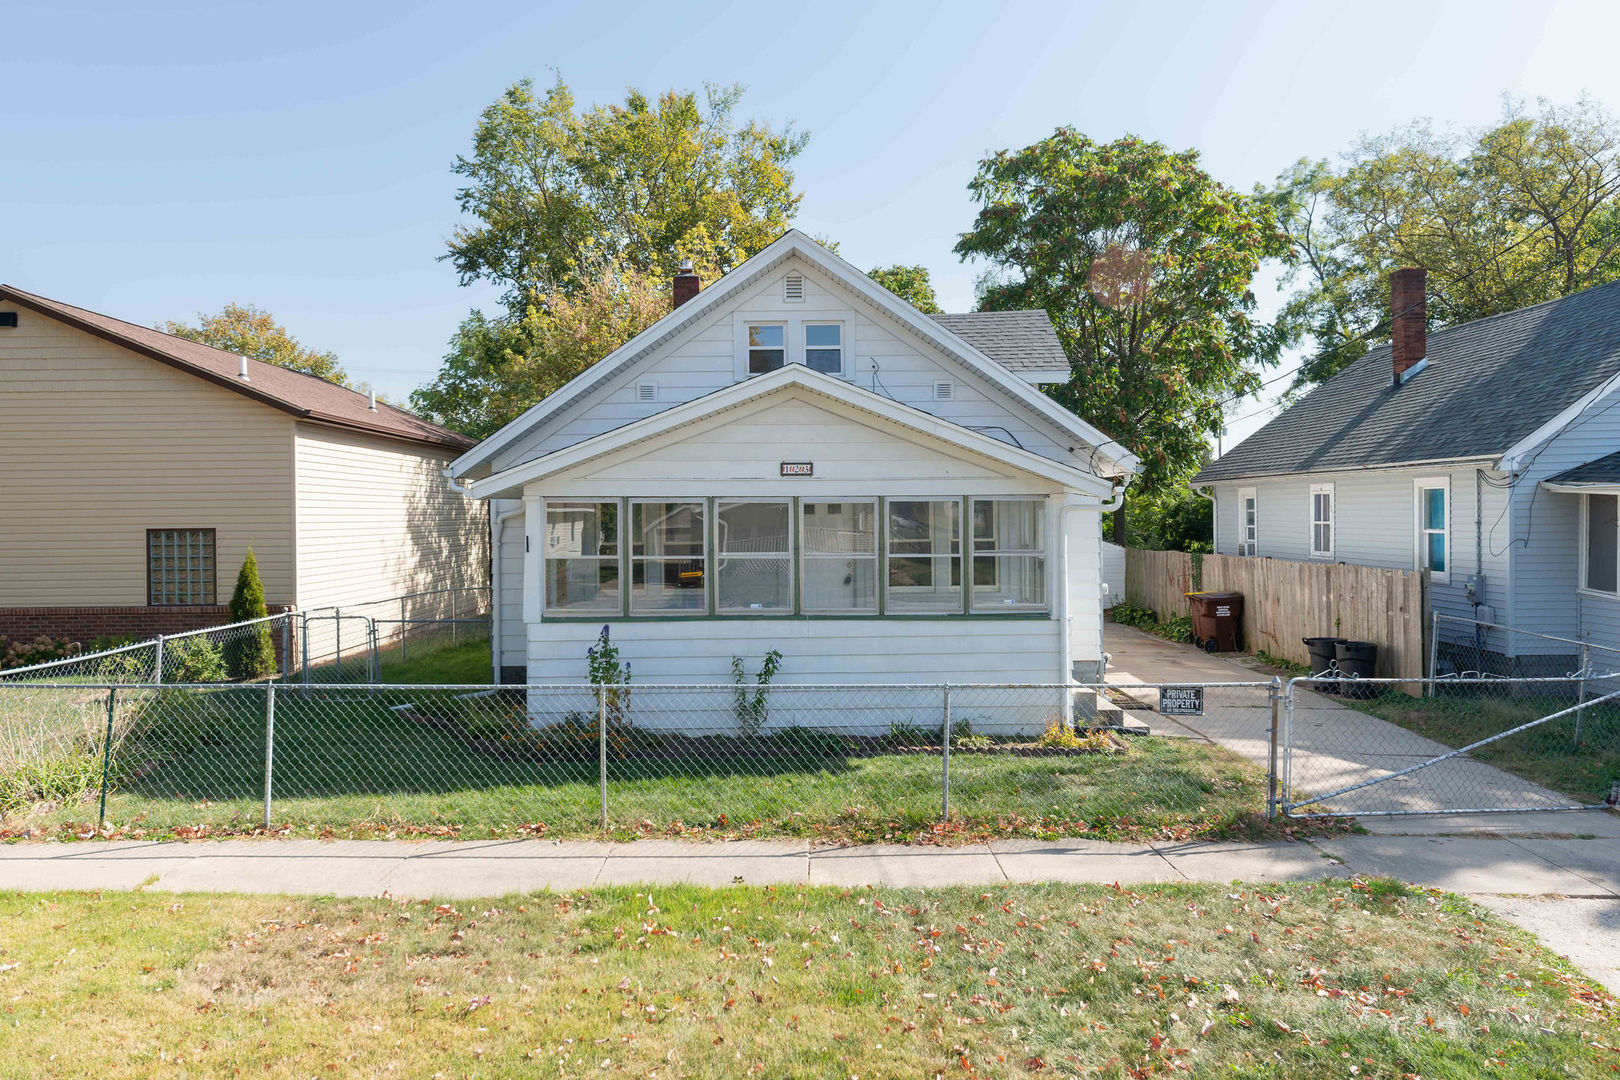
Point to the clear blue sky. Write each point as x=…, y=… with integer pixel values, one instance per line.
x=162, y=159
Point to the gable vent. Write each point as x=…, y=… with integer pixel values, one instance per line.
x=646, y=391
x=944, y=391
x=793, y=288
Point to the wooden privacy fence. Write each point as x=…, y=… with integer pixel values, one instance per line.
x=1285, y=601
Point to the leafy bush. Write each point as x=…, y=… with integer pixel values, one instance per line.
x=1058, y=737
x=41, y=650
x=753, y=710
x=972, y=742
x=1177, y=629
x=1129, y=614
x=250, y=653
x=903, y=733
x=111, y=641
x=606, y=670
x=193, y=660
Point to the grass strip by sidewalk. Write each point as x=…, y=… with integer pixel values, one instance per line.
x=1330, y=979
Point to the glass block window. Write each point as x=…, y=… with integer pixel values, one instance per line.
x=179, y=567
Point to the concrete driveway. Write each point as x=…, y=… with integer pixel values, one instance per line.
x=1335, y=746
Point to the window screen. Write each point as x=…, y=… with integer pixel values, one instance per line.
x=179, y=566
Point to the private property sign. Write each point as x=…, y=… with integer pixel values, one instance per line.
x=798, y=468
x=1181, y=700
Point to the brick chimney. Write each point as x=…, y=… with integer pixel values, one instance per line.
x=1409, y=341
x=687, y=284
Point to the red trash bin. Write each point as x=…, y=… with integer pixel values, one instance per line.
x=1217, y=619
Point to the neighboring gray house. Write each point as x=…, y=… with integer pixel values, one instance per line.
x=1485, y=453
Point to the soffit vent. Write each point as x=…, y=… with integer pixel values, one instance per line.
x=944, y=391
x=793, y=288
x=647, y=391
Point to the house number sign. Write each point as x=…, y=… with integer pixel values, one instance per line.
x=798, y=468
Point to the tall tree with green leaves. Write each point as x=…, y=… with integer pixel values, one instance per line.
x=910, y=283
x=1522, y=211
x=1144, y=263
x=586, y=214
x=253, y=332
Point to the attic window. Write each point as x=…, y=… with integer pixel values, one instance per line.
x=944, y=391
x=793, y=288
x=647, y=391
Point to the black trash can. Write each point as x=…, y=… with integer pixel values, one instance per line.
x=1324, y=652
x=1355, y=660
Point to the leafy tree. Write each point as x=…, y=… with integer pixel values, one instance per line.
x=500, y=366
x=1143, y=261
x=249, y=653
x=583, y=217
x=1171, y=519
x=910, y=283
x=252, y=332
x=1517, y=213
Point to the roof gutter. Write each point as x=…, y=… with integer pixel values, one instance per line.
x=1195, y=483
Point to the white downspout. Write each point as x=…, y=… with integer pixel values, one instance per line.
x=1215, y=516
x=495, y=619
x=459, y=489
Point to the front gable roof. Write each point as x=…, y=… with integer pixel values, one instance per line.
x=795, y=243
x=796, y=379
x=1486, y=387
x=307, y=397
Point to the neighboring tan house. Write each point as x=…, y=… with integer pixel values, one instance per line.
x=1484, y=453
x=140, y=466
x=795, y=458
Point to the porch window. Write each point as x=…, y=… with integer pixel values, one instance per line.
x=925, y=556
x=179, y=567
x=767, y=347
x=1009, y=554
x=824, y=347
x=1248, y=522
x=838, y=549
x=1322, y=520
x=1602, y=554
x=668, y=556
x=581, y=553
x=754, y=556
x=1433, y=527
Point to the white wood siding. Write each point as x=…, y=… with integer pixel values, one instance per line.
x=706, y=357
x=101, y=444
x=377, y=518
x=514, y=636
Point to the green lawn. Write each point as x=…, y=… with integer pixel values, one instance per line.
x=1548, y=755
x=365, y=764
x=448, y=665
x=1332, y=979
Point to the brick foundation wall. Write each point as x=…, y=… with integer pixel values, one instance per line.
x=85, y=624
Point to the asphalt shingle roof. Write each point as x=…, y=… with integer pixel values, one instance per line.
x=1605, y=470
x=1017, y=340
x=1486, y=385
x=303, y=395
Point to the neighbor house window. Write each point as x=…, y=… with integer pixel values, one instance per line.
x=179, y=566
x=753, y=563
x=1433, y=527
x=839, y=554
x=581, y=556
x=925, y=555
x=1248, y=522
x=1322, y=520
x=824, y=347
x=767, y=347
x=668, y=552
x=1602, y=555
x=1009, y=554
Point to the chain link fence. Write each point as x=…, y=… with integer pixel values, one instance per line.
x=1465, y=648
x=838, y=761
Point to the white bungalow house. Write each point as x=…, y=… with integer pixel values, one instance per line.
x=1484, y=453
x=794, y=458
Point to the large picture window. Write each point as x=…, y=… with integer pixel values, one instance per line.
x=1009, y=554
x=839, y=555
x=668, y=558
x=754, y=556
x=581, y=553
x=1602, y=555
x=179, y=567
x=925, y=555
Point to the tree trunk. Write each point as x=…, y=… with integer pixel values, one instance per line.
x=1119, y=522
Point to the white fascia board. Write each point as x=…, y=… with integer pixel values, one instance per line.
x=794, y=242
x=1594, y=487
x=1512, y=460
x=792, y=375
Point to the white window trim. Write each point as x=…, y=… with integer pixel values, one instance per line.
x=1244, y=496
x=1419, y=529
x=1331, y=521
x=1581, y=553
x=805, y=346
x=787, y=343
